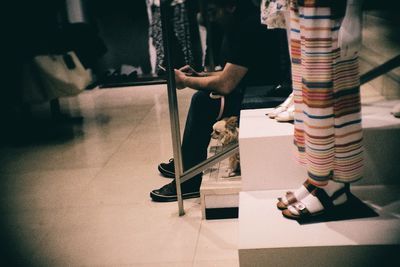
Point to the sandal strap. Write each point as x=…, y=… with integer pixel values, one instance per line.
x=345, y=189
x=301, y=209
x=290, y=197
x=323, y=198
x=326, y=200
x=309, y=186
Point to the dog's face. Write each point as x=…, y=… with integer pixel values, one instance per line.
x=218, y=130
x=225, y=130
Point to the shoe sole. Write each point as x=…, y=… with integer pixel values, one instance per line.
x=283, y=120
x=165, y=172
x=161, y=198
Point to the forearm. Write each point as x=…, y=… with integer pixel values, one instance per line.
x=211, y=83
x=210, y=73
x=222, y=82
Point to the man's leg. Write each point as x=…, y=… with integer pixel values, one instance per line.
x=203, y=113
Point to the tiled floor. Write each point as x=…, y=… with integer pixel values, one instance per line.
x=80, y=197
x=78, y=194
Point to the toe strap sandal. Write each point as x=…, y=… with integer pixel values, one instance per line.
x=290, y=197
x=325, y=200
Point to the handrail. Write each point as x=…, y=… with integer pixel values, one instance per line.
x=172, y=99
x=229, y=150
x=380, y=70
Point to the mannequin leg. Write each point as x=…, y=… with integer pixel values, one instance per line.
x=327, y=129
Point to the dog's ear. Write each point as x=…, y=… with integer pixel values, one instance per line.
x=231, y=123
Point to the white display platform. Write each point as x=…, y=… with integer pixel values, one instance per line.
x=381, y=144
x=266, y=238
x=218, y=191
x=222, y=193
x=268, y=155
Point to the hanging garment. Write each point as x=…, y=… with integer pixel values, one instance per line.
x=156, y=35
x=328, y=131
x=273, y=13
x=182, y=31
x=181, y=39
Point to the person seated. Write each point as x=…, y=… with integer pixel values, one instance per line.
x=252, y=56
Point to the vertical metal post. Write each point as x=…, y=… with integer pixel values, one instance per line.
x=172, y=98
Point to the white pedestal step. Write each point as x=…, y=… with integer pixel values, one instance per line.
x=219, y=195
x=381, y=144
x=220, y=198
x=267, y=153
x=268, y=156
x=266, y=238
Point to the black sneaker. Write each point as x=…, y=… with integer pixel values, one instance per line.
x=167, y=193
x=167, y=169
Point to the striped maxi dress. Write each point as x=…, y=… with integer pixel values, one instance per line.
x=328, y=131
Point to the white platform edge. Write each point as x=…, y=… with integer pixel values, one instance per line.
x=263, y=226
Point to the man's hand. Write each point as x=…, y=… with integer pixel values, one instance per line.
x=189, y=71
x=180, y=79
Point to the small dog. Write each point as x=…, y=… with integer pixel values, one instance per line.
x=226, y=131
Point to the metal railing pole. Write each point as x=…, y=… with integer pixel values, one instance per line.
x=380, y=70
x=211, y=161
x=172, y=99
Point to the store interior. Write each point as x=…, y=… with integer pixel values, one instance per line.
x=76, y=170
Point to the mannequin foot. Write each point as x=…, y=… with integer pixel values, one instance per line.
x=282, y=107
x=319, y=201
x=287, y=115
x=295, y=196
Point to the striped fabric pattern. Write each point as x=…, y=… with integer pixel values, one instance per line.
x=328, y=131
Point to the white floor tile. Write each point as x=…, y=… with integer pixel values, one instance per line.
x=217, y=241
x=217, y=263
x=119, y=235
x=44, y=189
x=83, y=200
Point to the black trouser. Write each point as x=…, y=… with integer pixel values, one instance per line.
x=203, y=113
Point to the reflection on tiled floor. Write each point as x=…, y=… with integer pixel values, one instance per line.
x=78, y=194
x=82, y=198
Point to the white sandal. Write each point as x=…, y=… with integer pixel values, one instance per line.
x=290, y=196
x=287, y=115
x=282, y=107
x=299, y=210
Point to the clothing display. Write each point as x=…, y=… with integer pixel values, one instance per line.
x=273, y=13
x=156, y=35
x=182, y=41
x=124, y=27
x=328, y=131
x=182, y=30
